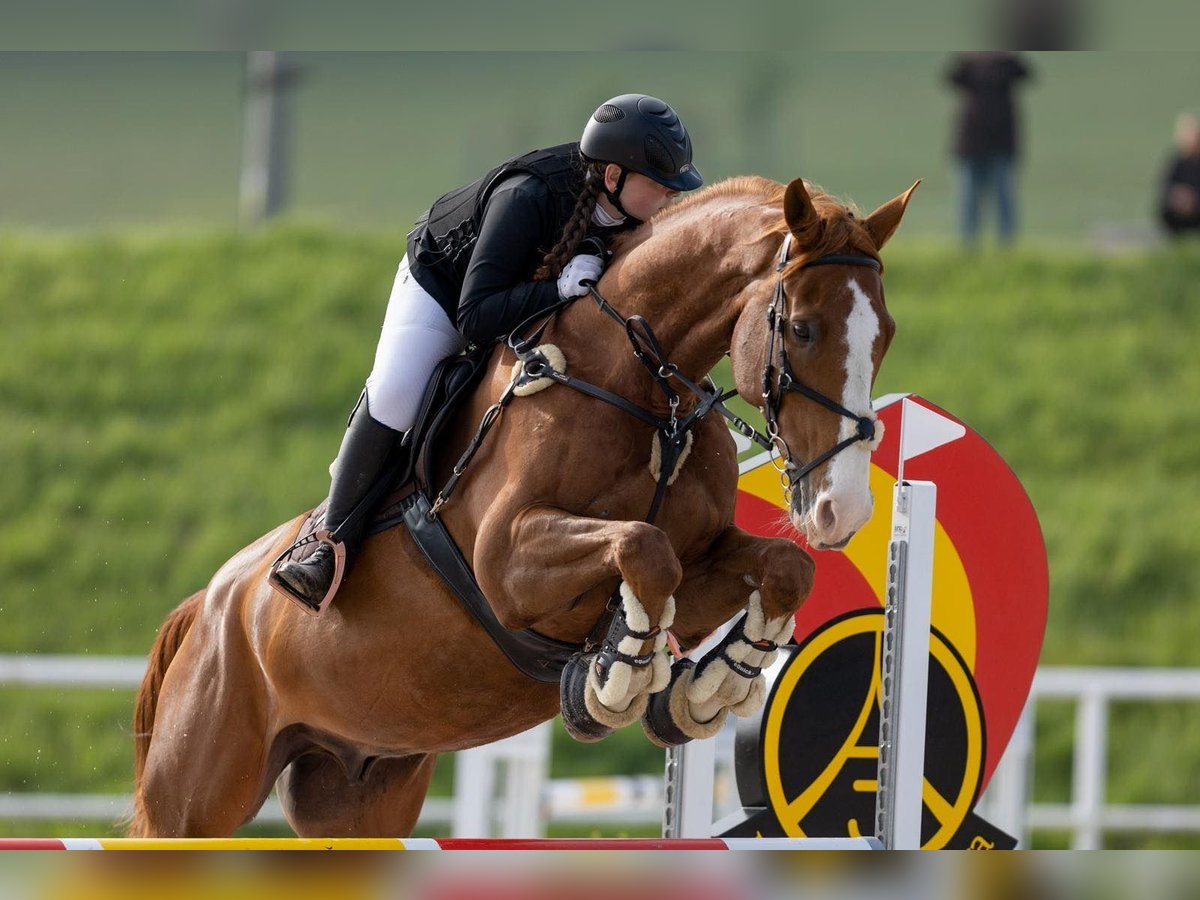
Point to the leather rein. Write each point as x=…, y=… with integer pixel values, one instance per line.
x=672, y=431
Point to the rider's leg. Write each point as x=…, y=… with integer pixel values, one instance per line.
x=417, y=335
x=365, y=450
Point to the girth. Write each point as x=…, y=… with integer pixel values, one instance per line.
x=539, y=657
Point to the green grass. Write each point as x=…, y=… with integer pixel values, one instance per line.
x=167, y=398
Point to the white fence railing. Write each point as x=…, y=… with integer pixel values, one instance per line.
x=638, y=799
x=509, y=794
x=1087, y=815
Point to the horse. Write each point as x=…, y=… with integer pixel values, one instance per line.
x=346, y=713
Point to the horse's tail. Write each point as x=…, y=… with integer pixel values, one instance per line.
x=166, y=645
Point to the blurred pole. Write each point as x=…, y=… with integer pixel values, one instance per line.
x=1089, y=771
x=762, y=98
x=262, y=190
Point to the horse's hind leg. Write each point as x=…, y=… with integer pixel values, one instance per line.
x=205, y=772
x=320, y=801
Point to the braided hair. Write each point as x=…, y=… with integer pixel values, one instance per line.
x=577, y=226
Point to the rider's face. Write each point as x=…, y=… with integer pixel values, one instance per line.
x=642, y=197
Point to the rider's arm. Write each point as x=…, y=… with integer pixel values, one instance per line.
x=495, y=295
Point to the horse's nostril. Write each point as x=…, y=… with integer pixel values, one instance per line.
x=825, y=517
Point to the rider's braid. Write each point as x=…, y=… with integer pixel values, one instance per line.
x=576, y=227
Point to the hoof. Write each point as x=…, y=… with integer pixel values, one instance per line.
x=573, y=685
x=658, y=723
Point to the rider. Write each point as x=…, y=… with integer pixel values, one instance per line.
x=477, y=266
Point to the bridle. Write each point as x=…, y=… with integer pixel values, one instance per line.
x=787, y=382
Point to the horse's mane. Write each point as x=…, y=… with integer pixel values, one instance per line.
x=838, y=228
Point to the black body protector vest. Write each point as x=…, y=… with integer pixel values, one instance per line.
x=441, y=243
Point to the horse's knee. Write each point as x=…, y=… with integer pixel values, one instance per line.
x=647, y=562
x=787, y=578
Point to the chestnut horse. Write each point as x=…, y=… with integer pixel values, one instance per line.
x=346, y=713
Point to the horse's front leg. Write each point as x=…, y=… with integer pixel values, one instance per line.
x=534, y=569
x=770, y=578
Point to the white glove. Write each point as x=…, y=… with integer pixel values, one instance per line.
x=583, y=267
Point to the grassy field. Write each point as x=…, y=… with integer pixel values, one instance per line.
x=119, y=139
x=166, y=399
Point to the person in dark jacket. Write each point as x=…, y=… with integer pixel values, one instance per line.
x=986, y=140
x=1179, y=201
x=483, y=259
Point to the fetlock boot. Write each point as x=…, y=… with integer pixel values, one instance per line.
x=363, y=456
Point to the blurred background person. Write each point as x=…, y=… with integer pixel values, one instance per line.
x=1033, y=25
x=1179, y=199
x=986, y=138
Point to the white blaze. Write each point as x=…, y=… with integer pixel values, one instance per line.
x=848, y=471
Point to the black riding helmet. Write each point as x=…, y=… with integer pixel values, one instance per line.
x=642, y=134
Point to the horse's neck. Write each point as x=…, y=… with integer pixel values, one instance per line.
x=687, y=278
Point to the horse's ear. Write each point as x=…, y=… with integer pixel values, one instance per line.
x=882, y=223
x=798, y=208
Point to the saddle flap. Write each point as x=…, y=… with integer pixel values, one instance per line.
x=451, y=383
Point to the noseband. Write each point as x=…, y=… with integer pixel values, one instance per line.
x=789, y=473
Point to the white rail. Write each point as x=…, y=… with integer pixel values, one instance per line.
x=1087, y=815
x=529, y=799
x=72, y=671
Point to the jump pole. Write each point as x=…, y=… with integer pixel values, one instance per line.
x=426, y=844
x=904, y=676
x=904, y=667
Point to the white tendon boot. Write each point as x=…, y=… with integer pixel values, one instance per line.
x=727, y=680
x=618, y=697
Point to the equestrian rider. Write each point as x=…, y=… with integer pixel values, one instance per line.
x=477, y=266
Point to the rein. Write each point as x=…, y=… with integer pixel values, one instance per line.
x=671, y=432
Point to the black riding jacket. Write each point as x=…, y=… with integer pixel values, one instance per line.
x=476, y=249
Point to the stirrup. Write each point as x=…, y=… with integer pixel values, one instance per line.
x=325, y=536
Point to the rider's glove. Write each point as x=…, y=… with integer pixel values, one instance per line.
x=581, y=268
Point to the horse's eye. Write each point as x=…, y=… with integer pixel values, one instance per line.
x=804, y=331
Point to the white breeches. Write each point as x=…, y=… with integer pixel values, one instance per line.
x=417, y=335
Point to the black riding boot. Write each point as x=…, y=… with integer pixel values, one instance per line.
x=361, y=460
